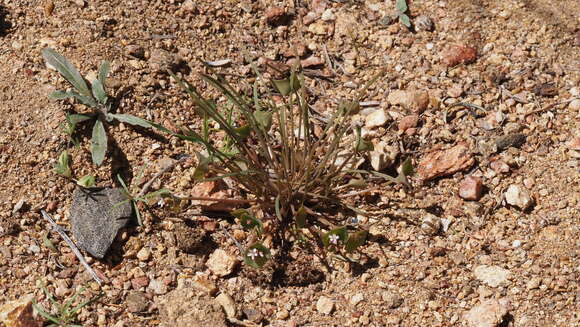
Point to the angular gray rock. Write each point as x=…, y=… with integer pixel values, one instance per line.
x=96, y=218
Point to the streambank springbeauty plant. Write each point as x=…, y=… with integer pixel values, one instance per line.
x=295, y=169
x=93, y=96
x=401, y=13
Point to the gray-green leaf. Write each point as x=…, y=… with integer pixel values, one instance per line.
x=62, y=166
x=99, y=91
x=99, y=143
x=67, y=70
x=132, y=120
x=405, y=20
x=59, y=95
x=402, y=6
x=104, y=71
x=86, y=181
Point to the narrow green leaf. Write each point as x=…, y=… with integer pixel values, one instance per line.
x=98, y=90
x=407, y=167
x=277, y=207
x=257, y=255
x=335, y=237
x=405, y=20
x=86, y=100
x=287, y=85
x=202, y=167
x=44, y=314
x=132, y=120
x=99, y=143
x=243, y=131
x=67, y=70
x=59, y=95
x=104, y=71
x=355, y=240
x=86, y=181
x=362, y=145
x=48, y=243
x=123, y=185
x=402, y=6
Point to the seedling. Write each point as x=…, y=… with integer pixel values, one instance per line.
x=66, y=314
x=402, y=8
x=93, y=96
x=292, y=168
x=62, y=167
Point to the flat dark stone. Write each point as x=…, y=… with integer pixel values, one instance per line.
x=96, y=220
x=506, y=141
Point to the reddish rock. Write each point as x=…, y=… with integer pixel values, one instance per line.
x=458, y=54
x=139, y=282
x=311, y=61
x=408, y=122
x=471, y=188
x=445, y=162
x=276, y=16
x=499, y=166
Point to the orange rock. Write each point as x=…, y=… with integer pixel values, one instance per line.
x=445, y=162
x=458, y=54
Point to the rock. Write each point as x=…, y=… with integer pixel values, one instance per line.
x=189, y=238
x=19, y=313
x=445, y=162
x=573, y=146
x=493, y=276
x=511, y=140
x=430, y=224
x=18, y=206
x=383, y=156
x=139, y=282
x=204, y=284
x=376, y=119
x=471, y=188
x=186, y=307
x=212, y=189
x=136, y=51
x=357, y=298
x=160, y=60
x=96, y=218
x=546, y=89
x=328, y=15
x=416, y=101
x=574, y=105
x=254, y=315
x=489, y=313
x=517, y=195
x=228, y=304
x=311, y=61
x=424, y=23
x=276, y=16
x=458, y=54
x=408, y=122
x=136, y=302
x=391, y=299
x=221, y=263
x=499, y=166
x=144, y=254
x=325, y=305
x=533, y=283
x=157, y=286
x=188, y=6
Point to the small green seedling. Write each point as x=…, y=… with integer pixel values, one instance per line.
x=66, y=314
x=93, y=96
x=134, y=199
x=62, y=167
x=401, y=13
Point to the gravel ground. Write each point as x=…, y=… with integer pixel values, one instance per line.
x=488, y=235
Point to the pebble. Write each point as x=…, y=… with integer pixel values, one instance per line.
x=430, y=224
x=408, y=122
x=227, y=302
x=18, y=206
x=188, y=6
x=136, y=302
x=489, y=313
x=157, y=286
x=416, y=101
x=516, y=244
x=424, y=23
x=221, y=263
x=517, y=195
x=574, y=105
x=325, y=305
x=471, y=188
x=276, y=16
x=357, y=298
x=19, y=313
x=144, y=254
x=376, y=119
x=445, y=162
x=511, y=140
x=458, y=54
x=391, y=299
x=533, y=283
x=383, y=156
x=493, y=276
x=328, y=15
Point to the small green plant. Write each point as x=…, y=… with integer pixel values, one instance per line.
x=401, y=13
x=62, y=167
x=94, y=97
x=65, y=315
x=293, y=169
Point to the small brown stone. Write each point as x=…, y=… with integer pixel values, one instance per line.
x=445, y=162
x=471, y=188
x=458, y=54
x=408, y=122
x=276, y=16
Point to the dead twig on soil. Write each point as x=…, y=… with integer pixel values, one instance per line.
x=72, y=245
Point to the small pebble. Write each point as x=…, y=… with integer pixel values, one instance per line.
x=471, y=188
x=325, y=305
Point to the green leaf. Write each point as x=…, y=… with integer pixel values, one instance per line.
x=48, y=243
x=98, y=143
x=67, y=70
x=73, y=120
x=361, y=144
x=104, y=71
x=264, y=119
x=44, y=314
x=287, y=85
x=62, y=166
x=406, y=167
x=402, y=6
x=328, y=239
x=257, y=255
x=132, y=120
x=405, y=20
x=300, y=217
x=202, y=167
x=243, y=131
x=247, y=220
x=355, y=240
x=86, y=181
x=99, y=91
x=59, y=95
